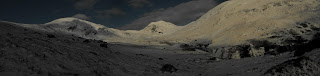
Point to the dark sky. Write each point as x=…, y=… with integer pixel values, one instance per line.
x=130, y=14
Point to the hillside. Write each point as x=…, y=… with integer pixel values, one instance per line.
x=237, y=21
x=29, y=52
x=231, y=23
x=160, y=28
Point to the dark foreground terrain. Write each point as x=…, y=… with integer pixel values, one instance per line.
x=26, y=52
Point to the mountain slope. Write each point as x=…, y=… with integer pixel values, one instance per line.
x=231, y=23
x=236, y=21
x=89, y=30
x=160, y=28
x=258, y=37
x=29, y=52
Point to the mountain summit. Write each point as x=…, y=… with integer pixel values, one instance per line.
x=161, y=28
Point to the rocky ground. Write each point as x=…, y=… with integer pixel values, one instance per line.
x=27, y=52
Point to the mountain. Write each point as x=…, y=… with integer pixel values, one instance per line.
x=76, y=27
x=258, y=25
x=82, y=28
x=250, y=28
x=235, y=22
x=238, y=37
x=89, y=30
x=30, y=52
x=160, y=28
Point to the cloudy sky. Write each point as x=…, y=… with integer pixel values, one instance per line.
x=125, y=14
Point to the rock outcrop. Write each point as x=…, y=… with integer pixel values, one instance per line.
x=306, y=65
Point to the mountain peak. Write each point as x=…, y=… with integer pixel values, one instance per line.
x=60, y=20
x=161, y=23
x=161, y=27
x=64, y=21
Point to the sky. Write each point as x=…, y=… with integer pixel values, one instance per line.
x=122, y=14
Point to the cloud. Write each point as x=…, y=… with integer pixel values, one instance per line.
x=139, y=3
x=179, y=15
x=82, y=16
x=85, y=4
x=110, y=13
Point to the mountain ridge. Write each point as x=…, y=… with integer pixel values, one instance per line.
x=230, y=23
